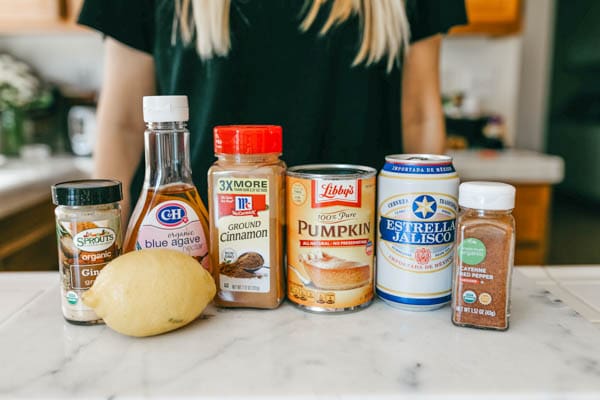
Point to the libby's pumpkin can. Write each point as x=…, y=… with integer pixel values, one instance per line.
x=330, y=236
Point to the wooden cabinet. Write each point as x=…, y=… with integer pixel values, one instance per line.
x=532, y=218
x=29, y=16
x=28, y=241
x=491, y=17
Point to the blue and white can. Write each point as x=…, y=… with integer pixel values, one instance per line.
x=416, y=219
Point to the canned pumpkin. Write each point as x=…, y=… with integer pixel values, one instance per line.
x=330, y=233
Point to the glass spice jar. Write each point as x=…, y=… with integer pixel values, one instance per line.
x=485, y=241
x=88, y=229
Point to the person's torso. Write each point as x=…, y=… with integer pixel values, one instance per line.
x=274, y=73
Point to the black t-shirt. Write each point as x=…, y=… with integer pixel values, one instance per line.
x=275, y=74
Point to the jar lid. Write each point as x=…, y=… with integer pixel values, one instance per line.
x=486, y=195
x=165, y=108
x=247, y=139
x=87, y=192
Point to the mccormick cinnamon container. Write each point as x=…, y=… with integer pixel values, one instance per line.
x=330, y=236
x=246, y=203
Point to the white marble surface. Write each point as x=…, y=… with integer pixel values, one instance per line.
x=549, y=352
x=578, y=286
x=25, y=182
x=515, y=166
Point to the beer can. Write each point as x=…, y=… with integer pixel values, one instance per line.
x=330, y=236
x=416, y=217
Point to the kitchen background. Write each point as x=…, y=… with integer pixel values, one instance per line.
x=522, y=75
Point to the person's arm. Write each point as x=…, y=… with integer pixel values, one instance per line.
x=128, y=76
x=423, y=128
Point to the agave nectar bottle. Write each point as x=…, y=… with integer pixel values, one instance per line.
x=169, y=213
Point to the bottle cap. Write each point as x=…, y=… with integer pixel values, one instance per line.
x=87, y=192
x=486, y=195
x=247, y=139
x=165, y=108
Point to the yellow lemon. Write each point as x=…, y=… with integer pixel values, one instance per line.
x=148, y=292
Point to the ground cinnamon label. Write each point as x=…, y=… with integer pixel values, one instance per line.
x=485, y=237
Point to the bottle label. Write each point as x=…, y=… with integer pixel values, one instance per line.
x=415, y=248
x=174, y=225
x=482, y=276
x=243, y=225
x=85, y=247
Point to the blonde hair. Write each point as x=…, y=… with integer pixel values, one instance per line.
x=384, y=26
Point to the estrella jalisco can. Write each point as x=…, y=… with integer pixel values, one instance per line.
x=416, y=217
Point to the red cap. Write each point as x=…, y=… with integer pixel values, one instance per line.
x=247, y=139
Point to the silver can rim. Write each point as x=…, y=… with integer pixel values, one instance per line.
x=354, y=171
x=415, y=158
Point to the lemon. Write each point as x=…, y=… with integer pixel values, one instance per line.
x=148, y=292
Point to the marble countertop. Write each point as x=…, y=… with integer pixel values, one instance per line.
x=578, y=286
x=550, y=351
x=24, y=182
x=510, y=165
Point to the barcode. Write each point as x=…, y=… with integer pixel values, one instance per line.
x=245, y=287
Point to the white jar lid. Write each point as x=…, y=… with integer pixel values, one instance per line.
x=165, y=108
x=486, y=195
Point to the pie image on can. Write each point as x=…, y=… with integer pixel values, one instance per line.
x=330, y=236
x=330, y=272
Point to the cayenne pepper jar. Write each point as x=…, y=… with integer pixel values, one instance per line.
x=246, y=194
x=485, y=241
x=88, y=229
